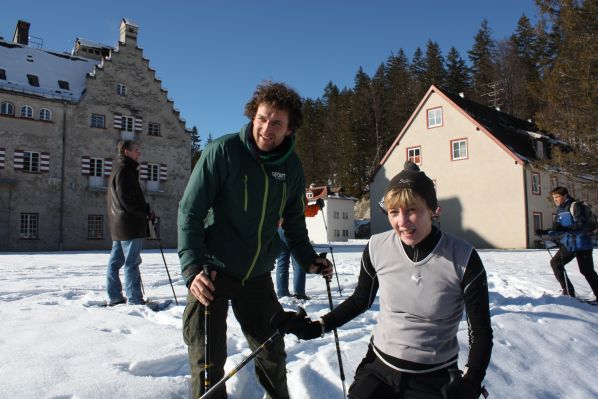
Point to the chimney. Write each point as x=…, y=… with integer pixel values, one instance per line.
x=21, y=35
x=128, y=32
x=461, y=94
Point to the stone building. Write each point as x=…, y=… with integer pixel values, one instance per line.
x=61, y=116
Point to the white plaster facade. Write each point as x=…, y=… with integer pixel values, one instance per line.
x=487, y=196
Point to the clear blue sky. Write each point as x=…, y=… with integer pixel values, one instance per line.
x=210, y=55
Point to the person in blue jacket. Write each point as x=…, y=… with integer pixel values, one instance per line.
x=569, y=225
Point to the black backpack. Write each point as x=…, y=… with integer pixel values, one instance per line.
x=586, y=216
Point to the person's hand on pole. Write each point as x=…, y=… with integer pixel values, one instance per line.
x=202, y=287
x=320, y=203
x=322, y=266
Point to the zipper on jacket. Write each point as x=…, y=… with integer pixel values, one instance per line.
x=261, y=225
x=245, y=202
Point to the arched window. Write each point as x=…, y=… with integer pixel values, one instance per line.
x=7, y=108
x=45, y=114
x=26, y=111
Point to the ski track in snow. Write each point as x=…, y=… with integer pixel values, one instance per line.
x=58, y=341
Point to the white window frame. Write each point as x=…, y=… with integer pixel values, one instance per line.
x=95, y=227
x=96, y=172
x=45, y=114
x=7, y=108
x=459, y=156
x=336, y=215
x=127, y=124
x=153, y=177
x=29, y=226
x=26, y=112
x=536, y=184
x=121, y=89
x=434, y=117
x=414, y=154
x=554, y=182
x=154, y=129
x=96, y=119
x=30, y=163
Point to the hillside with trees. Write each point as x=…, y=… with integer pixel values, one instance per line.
x=547, y=72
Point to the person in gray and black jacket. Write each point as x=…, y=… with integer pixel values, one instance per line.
x=426, y=279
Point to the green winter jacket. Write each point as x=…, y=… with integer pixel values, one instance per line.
x=234, y=201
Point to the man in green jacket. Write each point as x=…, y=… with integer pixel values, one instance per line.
x=242, y=188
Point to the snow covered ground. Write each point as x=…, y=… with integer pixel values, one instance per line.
x=56, y=342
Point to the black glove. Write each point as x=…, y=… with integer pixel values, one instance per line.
x=296, y=323
x=320, y=203
x=541, y=232
x=460, y=388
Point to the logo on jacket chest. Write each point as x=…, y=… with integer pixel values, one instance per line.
x=279, y=176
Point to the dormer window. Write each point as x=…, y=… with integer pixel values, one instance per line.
x=121, y=89
x=33, y=80
x=63, y=84
x=2, y=74
x=539, y=149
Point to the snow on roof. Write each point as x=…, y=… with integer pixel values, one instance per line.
x=18, y=61
x=89, y=43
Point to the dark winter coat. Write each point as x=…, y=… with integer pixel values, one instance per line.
x=234, y=202
x=127, y=209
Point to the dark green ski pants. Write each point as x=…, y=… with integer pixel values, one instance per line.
x=253, y=304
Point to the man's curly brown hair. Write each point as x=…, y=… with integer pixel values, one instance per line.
x=279, y=96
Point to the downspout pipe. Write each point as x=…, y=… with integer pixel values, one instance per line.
x=62, y=182
x=526, y=206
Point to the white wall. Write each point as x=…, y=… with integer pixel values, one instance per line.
x=318, y=225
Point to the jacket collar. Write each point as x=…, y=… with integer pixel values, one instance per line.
x=270, y=158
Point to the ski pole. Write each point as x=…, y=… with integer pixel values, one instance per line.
x=338, y=347
x=168, y=272
x=234, y=371
x=564, y=271
x=154, y=235
x=206, y=340
x=340, y=291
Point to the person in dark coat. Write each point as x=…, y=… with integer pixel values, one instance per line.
x=128, y=215
x=243, y=187
x=571, y=228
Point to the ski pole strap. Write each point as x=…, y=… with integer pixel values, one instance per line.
x=485, y=393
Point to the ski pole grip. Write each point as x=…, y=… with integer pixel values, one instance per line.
x=206, y=270
x=321, y=255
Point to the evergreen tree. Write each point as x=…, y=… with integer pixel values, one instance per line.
x=195, y=146
x=526, y=45
x=401, y=97
x=482, y=65
x=434, y=73
x=570, y=86
x=458, y=78
x=418, y=70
